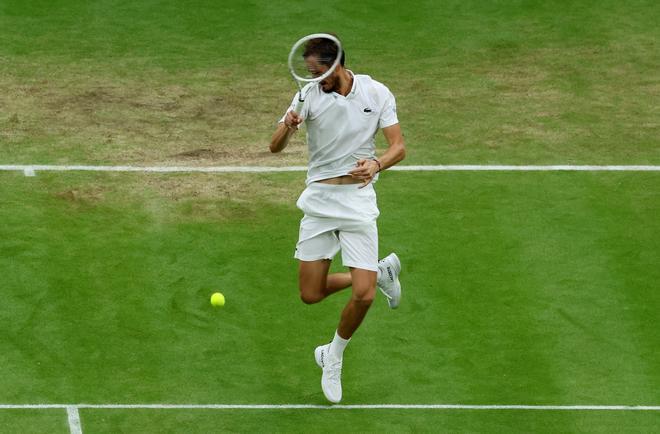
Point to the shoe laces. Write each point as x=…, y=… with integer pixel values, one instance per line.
x=388, y=296
x=334, y=369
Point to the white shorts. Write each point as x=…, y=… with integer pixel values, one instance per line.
x=339, y=217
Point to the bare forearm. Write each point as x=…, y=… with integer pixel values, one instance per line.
x=396, y=150
x=281, y=137
x=394, y=154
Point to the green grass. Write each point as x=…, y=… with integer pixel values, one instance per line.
x=367, y=421
x=530, y=288
x=352, y=421
x=34, y=421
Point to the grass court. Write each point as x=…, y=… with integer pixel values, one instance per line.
x=520, y=288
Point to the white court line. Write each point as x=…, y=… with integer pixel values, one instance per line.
x=158, y=169
x=74, y=419
x=333, y=407
x=527, y=168
x=29, y=170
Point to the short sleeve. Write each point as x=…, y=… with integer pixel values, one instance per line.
x=388, y=113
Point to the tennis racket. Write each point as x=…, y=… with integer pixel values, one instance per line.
x=311, y=60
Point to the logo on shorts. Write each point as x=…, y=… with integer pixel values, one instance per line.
x=367, y=110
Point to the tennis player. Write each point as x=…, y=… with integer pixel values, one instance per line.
x=342, y=114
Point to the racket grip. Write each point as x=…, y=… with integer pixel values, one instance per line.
x=299, y=106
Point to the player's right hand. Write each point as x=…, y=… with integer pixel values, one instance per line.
x=293, y=119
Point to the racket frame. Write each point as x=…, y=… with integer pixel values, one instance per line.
x=304, y=80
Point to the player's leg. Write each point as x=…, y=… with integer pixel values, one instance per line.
x=317, y=244
x=316, y=284
x=357, y=233
x=330, y=356
x=337, y=282
x=359, y=246
x=364, y=291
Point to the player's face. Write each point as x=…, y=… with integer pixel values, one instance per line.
x=330, y=83
x=314, y=67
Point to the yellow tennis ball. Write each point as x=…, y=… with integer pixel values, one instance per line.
x=217, y=299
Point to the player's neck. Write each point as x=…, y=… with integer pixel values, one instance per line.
x=345, y=82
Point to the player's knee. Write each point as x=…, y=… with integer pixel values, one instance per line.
x=364, y=296
x=310, y=296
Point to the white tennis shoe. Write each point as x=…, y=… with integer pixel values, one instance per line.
x=331, y=378
x=388, y=283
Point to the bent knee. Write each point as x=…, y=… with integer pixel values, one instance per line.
x=310, y=296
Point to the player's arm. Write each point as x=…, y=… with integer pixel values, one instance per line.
x=396, y=151
x=284, y=131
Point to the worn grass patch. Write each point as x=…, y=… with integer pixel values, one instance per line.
x=587, y=104
x=180, y=197
x=214, y=118
x=576, y=105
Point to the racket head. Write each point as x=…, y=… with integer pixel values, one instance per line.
x=311, y=68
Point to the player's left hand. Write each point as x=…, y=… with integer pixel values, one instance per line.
x=365, y=170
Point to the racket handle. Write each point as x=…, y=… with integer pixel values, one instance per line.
x=299, y=106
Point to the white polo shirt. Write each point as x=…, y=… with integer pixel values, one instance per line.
x=341, y=129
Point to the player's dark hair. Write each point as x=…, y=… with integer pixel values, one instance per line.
x=325, y=50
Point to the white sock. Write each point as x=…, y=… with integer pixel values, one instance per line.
x=338, y=345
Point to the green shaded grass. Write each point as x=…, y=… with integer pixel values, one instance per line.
x=34, y=421
x=520, y=288
x=163, y=31
x=82, y=263
x=365, y=421
x=531, y=263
